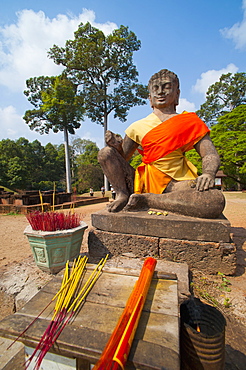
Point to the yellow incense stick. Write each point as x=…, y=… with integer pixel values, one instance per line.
x=62, y=293
x=54, y=194
x=41, y=200
x=85, y=285
x=89, y=282
x=88, y=290
x=72, y=276
x=64, y=282
x=70, y=283
x=67, y=282
x=74, y=284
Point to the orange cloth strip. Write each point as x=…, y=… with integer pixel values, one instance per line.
x=171, y=135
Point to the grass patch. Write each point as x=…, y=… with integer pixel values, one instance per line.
x=12, y=214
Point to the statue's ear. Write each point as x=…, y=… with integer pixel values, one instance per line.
x=150, y=100
x=177, y=97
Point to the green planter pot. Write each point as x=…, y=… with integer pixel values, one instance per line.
x=52, y=249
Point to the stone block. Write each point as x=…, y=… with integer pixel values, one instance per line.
x=209, y=257
x=205, y=256
x=171, y=226
x=102, y=242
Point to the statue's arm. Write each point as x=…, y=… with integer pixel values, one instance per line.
x=210, y=163
x=129, y=146
x=126, y=147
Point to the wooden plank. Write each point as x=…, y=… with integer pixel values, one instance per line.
x=86, y=336
x=88, y=343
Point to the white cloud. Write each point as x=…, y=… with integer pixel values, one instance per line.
x=24, y=45
x=12, y=124
x=210, y=77
x=185, y=105
x=238, y=31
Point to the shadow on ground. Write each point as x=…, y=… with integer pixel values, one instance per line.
x=239, y=238
x=235, y=345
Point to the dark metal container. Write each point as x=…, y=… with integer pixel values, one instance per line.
x=202, y=336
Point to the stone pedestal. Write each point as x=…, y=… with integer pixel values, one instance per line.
x=203, y=244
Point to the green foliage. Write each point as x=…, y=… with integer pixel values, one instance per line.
x=89, y=156
x=89, y=175
x=8, y=149
x=225, y=283
x=227, y=302
x=223, y=96
x=195, y=159
x=86, y=167
x=229, y=138
x=136, y=160
x=78, y=145
x=31, y=166
x=27, y=165
x=17, y=173
x=16, y=160
x=103, y=67
x=54, y=168
x=57, y=104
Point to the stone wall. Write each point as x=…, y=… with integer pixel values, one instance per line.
x=205, y=245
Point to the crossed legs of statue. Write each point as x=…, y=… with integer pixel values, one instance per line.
x=179, y=197
x=182, y=198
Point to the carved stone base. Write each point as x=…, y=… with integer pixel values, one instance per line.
x=202, y=244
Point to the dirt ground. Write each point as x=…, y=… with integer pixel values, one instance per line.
x=20, y=278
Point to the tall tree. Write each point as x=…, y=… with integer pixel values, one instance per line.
x=78, y=145
x=103, y=66
x=229, y=138
x=16, y=162
x=54, y=164
x=58, y=107
x=88, y=169
x=89, y=176
x=8, y=149
x=17, y=174
x=223, y=96
x=89, y=154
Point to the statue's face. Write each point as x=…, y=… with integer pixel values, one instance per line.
x=163, y=93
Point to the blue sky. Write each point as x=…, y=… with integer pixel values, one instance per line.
x=198, y=40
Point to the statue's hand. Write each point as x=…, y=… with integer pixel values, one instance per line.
x=204, y=182
x=114, y=140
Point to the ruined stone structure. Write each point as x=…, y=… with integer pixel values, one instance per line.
x=203, y=244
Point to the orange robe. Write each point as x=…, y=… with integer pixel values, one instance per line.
x=164, y=146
